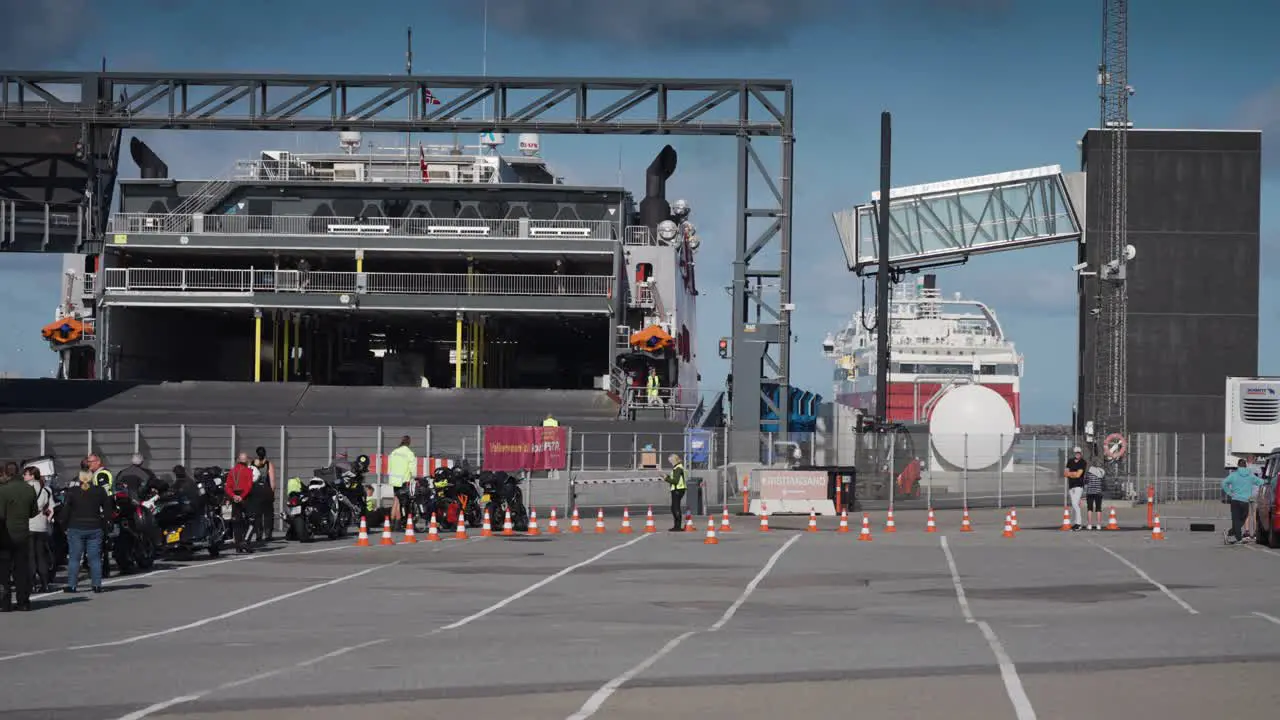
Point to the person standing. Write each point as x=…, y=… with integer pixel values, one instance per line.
x=264, y=494
x=84, y=513
x=17, y=507
x=678, y=482
x=1076, y=468
x=400, y=467
x=238, y=486
x=41, y=553
x=1239, y=487
x=1093, y=489
x=101, y=476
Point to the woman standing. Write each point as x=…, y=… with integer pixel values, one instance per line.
x=41, y=555
x=264, y=490
x=84, y=514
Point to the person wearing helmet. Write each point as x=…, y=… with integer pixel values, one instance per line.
x=1074, y=473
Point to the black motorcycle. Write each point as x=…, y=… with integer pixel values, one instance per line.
x=347, y=486
x=131, y=534
x=502, y=493
x=318, y=509
x=188, y=524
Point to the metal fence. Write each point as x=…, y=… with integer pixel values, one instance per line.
x=144, y=280
x=259, y=225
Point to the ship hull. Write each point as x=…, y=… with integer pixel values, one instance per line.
x=910, y=402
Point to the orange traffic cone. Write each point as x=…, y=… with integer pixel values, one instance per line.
x=553, y=527
x=486, y=525
x=1066, y=520
x=844, y=522
x=864, y=535
x=433, y=532
x=410, y=535
x=1013, y=519
x=507, y=528
x=533, y=522
x=626, y=522
x=764, y=518
x=724, y=520
x=600, y=521
x=931, y=525
x=965, y=524
x=813, y=521
x=889, y=525
x=575, y=522
x=362, y=540
x=1157, y=532
x=649, y=527
x=460, y=532
x=1112, y=522
x=1008, y=526
x=688, y=523
x=386, y=533
x=711, y=532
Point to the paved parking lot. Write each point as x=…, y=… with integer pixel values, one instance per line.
x=911, y=625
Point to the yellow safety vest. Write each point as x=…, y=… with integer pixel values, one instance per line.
x=104, y=479
x=294, y=485
x=400, y=466
x=677, y=479
x=551, y=422
x=370, y=503
x=653, y=386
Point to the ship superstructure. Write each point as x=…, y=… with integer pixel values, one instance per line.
x=936, y=344
x=434, y=266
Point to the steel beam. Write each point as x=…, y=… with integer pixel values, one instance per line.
x=239, y=101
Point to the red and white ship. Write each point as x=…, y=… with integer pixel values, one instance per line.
x=952, y=367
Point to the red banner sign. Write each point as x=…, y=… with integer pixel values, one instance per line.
x=510, y=448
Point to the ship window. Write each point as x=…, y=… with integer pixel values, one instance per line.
x=1000, y=369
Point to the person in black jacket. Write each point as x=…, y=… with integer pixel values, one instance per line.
x=84, y=513
x=17, y=507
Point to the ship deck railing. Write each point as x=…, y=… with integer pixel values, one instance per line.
x=180, y=280
x=672, y=402
x=267, y=225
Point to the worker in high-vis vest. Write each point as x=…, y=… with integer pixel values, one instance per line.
x=372, y=513
x=102, y=477
x=678, y=482
x=401, y=465
x=550, y=421
x=652, y=387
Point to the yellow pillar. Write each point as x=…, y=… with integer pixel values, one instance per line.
x=360, y=261
x=284, y=351
x=275, y=346
x=457, y=350
x=257, y=346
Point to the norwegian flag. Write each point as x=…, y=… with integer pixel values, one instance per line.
x=422, y=163
x=429, y=98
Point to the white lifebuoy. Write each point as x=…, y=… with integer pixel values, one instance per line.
x=1114, y=446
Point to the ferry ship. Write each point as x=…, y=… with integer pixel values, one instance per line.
x=952, y=370
x=435, y=266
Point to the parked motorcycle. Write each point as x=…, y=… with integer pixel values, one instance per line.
x=131, y=534
x=187, y=524
x=347, y=484
x=454, y=494
x=320, y=508
x=502, y=493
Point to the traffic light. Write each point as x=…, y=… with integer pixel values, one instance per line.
x=724, y=347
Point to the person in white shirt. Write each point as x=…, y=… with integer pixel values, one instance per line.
x=41, y=555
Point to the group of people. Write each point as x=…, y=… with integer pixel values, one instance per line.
x=27, y=509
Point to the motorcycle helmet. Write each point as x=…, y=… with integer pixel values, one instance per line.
x=361, y=465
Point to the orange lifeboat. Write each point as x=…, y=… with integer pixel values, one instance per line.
x=66, y=331
x=652, y=339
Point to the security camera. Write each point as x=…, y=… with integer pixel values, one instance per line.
x=1080, y=266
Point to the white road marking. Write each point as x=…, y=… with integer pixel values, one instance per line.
x=955, y=580
x=151, y=709
x=541, y=583
x=1269, y=618
x=1266, y=550
x=1159, y=586
x=1008, y=671
x=601, y=696
x=192, y=697
x=197, y=566
x=238, y=611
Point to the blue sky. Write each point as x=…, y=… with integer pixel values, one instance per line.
x=976, y=86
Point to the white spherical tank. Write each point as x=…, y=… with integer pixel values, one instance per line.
x=972, y=427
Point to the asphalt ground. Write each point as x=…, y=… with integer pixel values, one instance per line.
x=911, y=625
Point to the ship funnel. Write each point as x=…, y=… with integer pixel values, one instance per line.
x=150, y=166
x=655, y=208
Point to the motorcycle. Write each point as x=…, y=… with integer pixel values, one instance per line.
x=347, y=485
x=186, y=525
x=502, y=493
x=319, y=509
x=454, y=494
x=131, y=533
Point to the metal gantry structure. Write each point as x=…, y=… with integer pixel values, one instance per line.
x=447, y=104
x=1111, y=365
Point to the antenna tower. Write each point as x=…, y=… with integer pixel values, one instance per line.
x=1111, y=365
